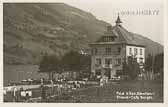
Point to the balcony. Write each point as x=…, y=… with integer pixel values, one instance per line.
x=97, y=65
x=107, y=66
x=112, y=53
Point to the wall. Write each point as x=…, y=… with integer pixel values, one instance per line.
x=114, y=55
x=138, y=56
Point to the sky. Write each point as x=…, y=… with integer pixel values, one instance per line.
x=144, y=17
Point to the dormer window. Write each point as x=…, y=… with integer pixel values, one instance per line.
x=109, y=28
x=108, y=39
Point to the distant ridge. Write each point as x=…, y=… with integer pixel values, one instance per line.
x=32, y=30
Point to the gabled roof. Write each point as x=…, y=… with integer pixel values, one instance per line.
x=122, y=37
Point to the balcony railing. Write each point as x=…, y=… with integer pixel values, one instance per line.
x=107, y=53
x=107, y=66
x=104, y=65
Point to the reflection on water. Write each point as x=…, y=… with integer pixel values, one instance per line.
x=16, y=73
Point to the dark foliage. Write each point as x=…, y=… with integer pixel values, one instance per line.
x=158, y=63
x=149, y=62
x=75, y=61
x=131, y=68
x=71, y=61
x=154, y=63
x=50, y=64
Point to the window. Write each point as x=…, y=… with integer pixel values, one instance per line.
x=119, y=72
x=98, y=61
x=92, y=51
x=108, y=61
x=109, y=28
x=119, y=49
x=111, y=39
x=135, y=51
x=130, y=51
x=98, y=72
x=105, y=39
x=108, y=39
x=118, y=61
x=140, y=51
x=107, y=50
x=96, y=51
x=141, y=60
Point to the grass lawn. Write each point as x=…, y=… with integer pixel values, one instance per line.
x=115, y=93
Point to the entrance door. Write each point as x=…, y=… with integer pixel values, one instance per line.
x=108, y=73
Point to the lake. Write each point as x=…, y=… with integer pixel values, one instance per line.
x=16, y=73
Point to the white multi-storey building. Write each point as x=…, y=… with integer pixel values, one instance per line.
x=113, y=48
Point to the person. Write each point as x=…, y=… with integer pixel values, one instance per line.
x=20, y=95
x=52, y=86
x=42, y=82
x=4, y=92
x=101, y=82
x=43, y=92
x=14, y=94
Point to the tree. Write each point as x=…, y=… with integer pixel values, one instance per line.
x=71, y=61
x=149, y=63
x=74, y=61
x=158, y=65
x=154, y=64
x=50, y=64
x=131, y=67
x=85, y=63
x=125, y=67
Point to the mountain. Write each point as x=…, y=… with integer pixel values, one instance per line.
x=34, y=29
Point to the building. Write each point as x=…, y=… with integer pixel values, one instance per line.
x=113, y=48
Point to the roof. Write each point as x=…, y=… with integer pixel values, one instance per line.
x=121, y=36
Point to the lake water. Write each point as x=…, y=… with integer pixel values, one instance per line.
x=16, y=73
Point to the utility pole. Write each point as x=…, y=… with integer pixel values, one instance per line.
x=152, y=66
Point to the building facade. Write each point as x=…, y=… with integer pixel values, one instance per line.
x=113, y=48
